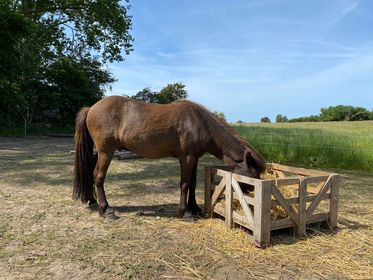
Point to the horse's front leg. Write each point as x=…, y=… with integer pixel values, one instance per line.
x=192, y=203
x=186, y=167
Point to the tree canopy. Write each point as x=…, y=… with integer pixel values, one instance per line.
x=168, y=94
x=53, y=53
x=219, y=115
x=338, y=113
x=344, y=113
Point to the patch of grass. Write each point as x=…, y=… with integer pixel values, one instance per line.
x=342, y=145
x=39, y=216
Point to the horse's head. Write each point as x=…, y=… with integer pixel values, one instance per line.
x=251, y=165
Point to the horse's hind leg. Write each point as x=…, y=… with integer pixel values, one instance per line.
x=103, y=162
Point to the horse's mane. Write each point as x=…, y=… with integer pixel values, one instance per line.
x=259, y=159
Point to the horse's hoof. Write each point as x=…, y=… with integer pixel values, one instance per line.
x=197, y=212
x=180, y=213
x=189, y=217
x=92, y=206
x=110, y=215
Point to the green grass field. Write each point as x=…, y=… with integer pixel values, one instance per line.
x=341, y=145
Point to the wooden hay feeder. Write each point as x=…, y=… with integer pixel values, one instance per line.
x=314, y=199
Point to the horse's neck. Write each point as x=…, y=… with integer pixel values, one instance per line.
x=226, y=146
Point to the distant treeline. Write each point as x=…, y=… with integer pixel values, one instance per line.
x=332, y=113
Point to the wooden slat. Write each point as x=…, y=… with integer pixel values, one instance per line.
x=248, y=199
x=302, y=214
x=319, y=217
x=316, y=179
x=282, y=223
x=315, y=189
x=237, y=218
x=262, y=214
x=218, y=191
x=334, y=198
x=222, y=172
x=247, y=211
x=312, y=197
x=283, y=202
x=228, y=201
x=280, y=174
x=295, y=200
x=287, y=181
x=318, y=197
x=247, y=180
x=207, y=204
x=298, y=170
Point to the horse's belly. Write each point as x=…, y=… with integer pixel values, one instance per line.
x=153, y=147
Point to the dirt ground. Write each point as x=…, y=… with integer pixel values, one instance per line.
x=44, y=234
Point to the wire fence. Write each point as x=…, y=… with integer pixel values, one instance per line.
x=281, y=134
x=312, y=146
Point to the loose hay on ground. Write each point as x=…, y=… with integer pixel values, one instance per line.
x=43, y=232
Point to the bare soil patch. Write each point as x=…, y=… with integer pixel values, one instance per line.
x=44, y=234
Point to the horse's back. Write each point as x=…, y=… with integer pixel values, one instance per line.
x=150, y=130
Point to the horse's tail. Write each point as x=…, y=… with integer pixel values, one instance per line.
x=85, y=161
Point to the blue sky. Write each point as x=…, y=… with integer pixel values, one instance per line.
x=251, y=58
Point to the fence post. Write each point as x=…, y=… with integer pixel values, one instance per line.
x=302, y=219
x=228, y=200
x=333, y=206
x=262, y=213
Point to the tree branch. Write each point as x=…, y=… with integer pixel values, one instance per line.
x=54, y=9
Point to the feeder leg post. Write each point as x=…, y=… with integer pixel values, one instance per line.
x=228, y=200
x=333, y=206
x=302, y=209
x=207, y=204
x=262, y=214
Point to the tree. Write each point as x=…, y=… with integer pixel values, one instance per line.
x=265, y=120
x=172, y=92
x=168, y=94
x=306, y=119
x=38, y=37
x=344, y=113
x=146, y=95
x=72, y=85
x=359, y=114
x=13, y=28
x=80, y=28
x=280, y=118
x=219, y=115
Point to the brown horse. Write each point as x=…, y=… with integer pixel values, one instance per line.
x=182, y=129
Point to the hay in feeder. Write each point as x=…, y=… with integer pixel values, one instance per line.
x=277, y=211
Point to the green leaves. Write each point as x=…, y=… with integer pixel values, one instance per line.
x=100, y=26
x=168, y=94
x=52, y=54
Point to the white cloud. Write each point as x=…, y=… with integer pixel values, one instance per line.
x=343, y=9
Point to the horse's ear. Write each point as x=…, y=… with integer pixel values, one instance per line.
x=251, y=159
x=248, y=158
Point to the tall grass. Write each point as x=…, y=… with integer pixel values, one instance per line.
x=342, y=145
